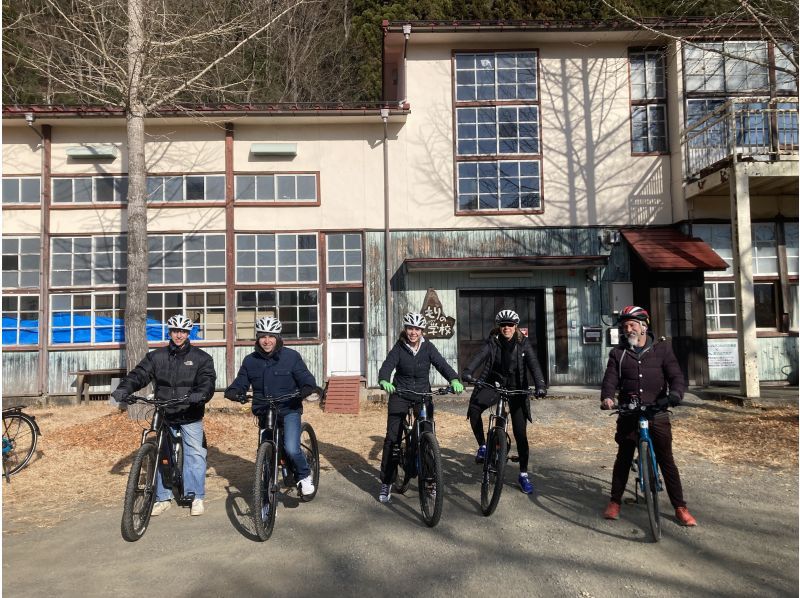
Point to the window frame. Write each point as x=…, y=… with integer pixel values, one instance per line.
x=20, y=203
x=120, y=199
x=244, y=330
x=18, y=312
x=163, y=312
x=276, y=176
x=208, y=256
x=119, y=261
x=275, y=264
x=345, y=265
x=20, y=258
x=117, y=330
x=184, y=189
x=643, y=105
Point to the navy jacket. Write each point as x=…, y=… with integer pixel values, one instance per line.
x=282, y=372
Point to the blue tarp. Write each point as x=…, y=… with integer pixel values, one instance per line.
x=68, y=329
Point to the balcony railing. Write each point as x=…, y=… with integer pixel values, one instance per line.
x=742, y=128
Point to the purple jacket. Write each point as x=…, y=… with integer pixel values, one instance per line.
x=651, y=374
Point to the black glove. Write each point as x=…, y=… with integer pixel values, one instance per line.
x=468, y=378
x=674, y=398
x=309, y=390
x=121, y=396
x=540, y=393
x=662, y=403
x=232, y=394
x=195, y=398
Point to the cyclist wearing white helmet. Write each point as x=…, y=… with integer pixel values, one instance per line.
x=273, y=370
x=645, y=369
x=410, y=359
x=178, y=370
x=506, y=358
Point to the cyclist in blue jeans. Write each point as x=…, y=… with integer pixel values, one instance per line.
x=273, y=371
x=178, y=371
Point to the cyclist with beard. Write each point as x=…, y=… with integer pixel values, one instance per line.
x=645, y=368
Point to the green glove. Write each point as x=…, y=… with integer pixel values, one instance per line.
x=457, y=386
x=387, y=386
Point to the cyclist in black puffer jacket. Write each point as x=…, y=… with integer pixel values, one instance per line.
x=410, y=359
x=178, y=371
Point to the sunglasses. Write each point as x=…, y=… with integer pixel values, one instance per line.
x=505, y=325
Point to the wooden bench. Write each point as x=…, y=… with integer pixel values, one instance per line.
x=83, y=382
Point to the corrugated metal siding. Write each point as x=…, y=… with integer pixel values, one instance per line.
x=311, y=354
x=20, y=373
x=777, y=359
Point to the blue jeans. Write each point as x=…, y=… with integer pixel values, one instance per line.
x=291, y=444
x=194, y=463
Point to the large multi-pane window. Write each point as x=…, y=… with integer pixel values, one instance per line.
x=648, y=101
x=87, y=318
x=497, y=122
x=20, y=319
x=87, y=261
x=22, y=190
x=205, y=308
x=718, y=236
x=21, y=260
x=186, y=258
x=297, y=309
x=189, y=187
x=719, y=66
x=345, y=262
x=90, y=189
x=277, y=187
x=276, y=258
x=347, y=314
x=765, y=249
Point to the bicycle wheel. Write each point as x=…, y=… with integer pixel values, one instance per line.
x=493, y=468
x=265, y=492
x=310, y=448
x=140, y=492
x=650, y=489
x=19, y=441
x=431, y=488
x=403, y=472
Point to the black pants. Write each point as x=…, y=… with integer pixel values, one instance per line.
x=519, y=425
x=394, y=434
x=661, y=434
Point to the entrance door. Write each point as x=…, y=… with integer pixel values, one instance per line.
x=346, y=333
x=476, y=312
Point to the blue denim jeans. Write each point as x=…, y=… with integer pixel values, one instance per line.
x=291, y=444
x=194, y=463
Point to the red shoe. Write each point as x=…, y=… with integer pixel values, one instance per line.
x=612, y=511
x=684, y=517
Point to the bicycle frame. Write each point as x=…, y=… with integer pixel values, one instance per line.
x=644, y=435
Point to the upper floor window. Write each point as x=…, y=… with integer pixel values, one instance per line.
x=21, y=259
x=87, y=261
x=90, y=189
x=276, y=258
x=189, y=187
x=497, y=130
x=719, y=67
x=648, y=101
x=718, y=236
x=277, y=187
x=785, y=74
x=765, y=248
x=186, y=258
x=344, y=258
x=22, y=190
x=20, y=319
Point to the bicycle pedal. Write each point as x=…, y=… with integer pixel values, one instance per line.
x=514, y=458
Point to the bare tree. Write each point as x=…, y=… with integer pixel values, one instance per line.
x=138, y=55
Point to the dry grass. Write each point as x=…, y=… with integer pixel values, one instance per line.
x=85, y=453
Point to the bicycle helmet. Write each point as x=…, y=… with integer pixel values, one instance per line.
x=415, y=320
x=179, y=322
x=634, y=312
x=269, y=325
x=506, y=316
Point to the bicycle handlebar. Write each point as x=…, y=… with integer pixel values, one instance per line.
x=155, y=401
x=500, y=389
x=245, y=398
x=636, y=408
x=442, y=391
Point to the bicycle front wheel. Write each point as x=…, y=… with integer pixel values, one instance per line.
x=493, y=467
x=265, y=492
x=649, y=475
x=19, y=441
x=431, y=488
x=403, y=469
x=310, y=448
x=140, y=492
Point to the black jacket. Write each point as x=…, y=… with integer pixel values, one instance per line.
x=651, y=374
x=176, y=372
x=412, y=372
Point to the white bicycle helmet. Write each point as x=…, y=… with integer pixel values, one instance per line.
x=268, y=325
x=415, y=320
x=179, y=322
x=506, y=316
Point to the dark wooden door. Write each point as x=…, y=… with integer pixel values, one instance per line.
x=475, y=319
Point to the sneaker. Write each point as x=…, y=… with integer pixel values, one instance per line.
x=197, y=507
x=307, y=486
x=160, y=507
x=525, y=484
x=612, y=510
x=386, y=493
x=684, y=517
x=481, y=454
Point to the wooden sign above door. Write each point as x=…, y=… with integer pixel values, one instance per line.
x=439, y=325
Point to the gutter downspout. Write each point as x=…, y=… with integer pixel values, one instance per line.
x=406, y=35
x=386, y=230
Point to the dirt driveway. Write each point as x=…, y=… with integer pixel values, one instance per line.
x=739, y=469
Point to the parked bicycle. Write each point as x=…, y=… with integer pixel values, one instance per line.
x=20, y=435
x=419, y=457
x=272, y=462
x=161, y=448
x=648, y=480
x=497, y=443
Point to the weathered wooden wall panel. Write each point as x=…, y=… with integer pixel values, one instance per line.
x=777, y=360
x=20, y=373
x=61, y=363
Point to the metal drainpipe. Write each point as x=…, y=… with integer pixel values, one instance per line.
x=386, y=258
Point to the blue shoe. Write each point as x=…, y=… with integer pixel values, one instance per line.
x=525, y=484
x=481, y=454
